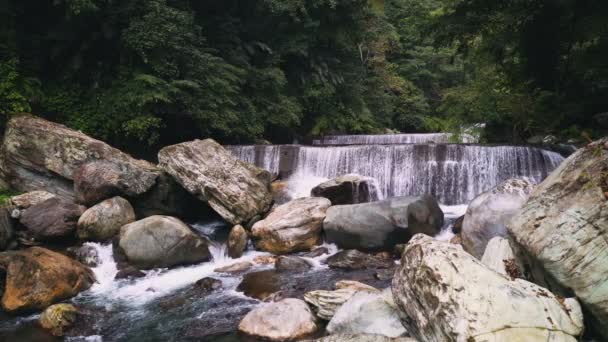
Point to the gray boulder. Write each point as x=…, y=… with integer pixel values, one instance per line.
x=445, y=294
x=488, y=214
x=42, y=155
x=562, y=229
x=292, y=227
x=367, y=313
x=52, y=219
x=347, y=189
x=103, y=221
x=161, y=241
x=234, y=189
x=383, y=224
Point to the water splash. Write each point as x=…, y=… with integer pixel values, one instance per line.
x=301, y=183
x=157, y=282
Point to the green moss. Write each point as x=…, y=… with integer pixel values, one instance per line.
x=6, y=194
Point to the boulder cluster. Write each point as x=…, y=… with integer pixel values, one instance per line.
x=529, y=262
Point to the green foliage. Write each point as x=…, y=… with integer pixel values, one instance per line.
x=12, y=99
x=145, y=73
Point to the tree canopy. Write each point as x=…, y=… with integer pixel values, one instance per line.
x=146, y=73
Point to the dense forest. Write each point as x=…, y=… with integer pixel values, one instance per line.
x=145, y=73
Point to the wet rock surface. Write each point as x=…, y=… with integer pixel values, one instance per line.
x=382, y=224
x=292, y=227
x=263, y=284
x=347, y=189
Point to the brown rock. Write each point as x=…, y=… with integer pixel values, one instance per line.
x=237, y=241
x=37, y=277
x=292, y=227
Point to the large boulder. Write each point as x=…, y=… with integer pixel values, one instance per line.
x=98, y=180
x=42, y=155
x=383, y=224
x=289, y=319
x=292, y=227
x=348, y=189
x=487, y=215
x=161, y=241
x=445, y=294
x=367, y=313
x=234, y=189
x=563, y=229
x=103, y=221
x=52, y=219
x=37, y=277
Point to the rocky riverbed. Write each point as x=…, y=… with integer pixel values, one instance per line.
x=99, y=246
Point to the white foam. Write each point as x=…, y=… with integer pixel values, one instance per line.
x=157, y=282
x=454, y=211
x=300, y=184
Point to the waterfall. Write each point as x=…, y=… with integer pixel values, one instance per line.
x=453, y=173
x=385, y=139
